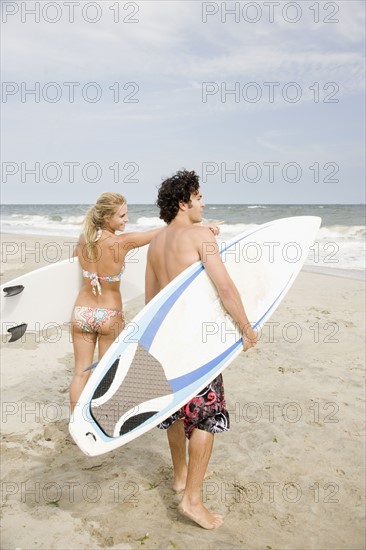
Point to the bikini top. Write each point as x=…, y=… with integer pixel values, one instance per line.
x=95, y=278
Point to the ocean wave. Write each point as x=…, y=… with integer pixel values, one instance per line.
x=145, y=221
x=36, y=219
x=337, y=245
x=357, y=232
x=334, y=232
x=56, y=225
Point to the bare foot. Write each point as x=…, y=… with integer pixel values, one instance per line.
x=180, y=484
x=200, y=515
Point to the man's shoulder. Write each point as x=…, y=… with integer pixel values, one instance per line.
x=158, y=238
x=201, y=232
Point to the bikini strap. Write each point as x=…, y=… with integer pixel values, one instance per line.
x=94, y=281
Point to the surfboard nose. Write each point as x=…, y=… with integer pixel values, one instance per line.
x=143, y=391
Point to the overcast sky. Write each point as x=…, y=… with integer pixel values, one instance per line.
x=266, y=103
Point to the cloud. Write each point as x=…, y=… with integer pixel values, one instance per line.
x=169, y=53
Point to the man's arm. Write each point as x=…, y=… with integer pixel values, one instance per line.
x=225, y=286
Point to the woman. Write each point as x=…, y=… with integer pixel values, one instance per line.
x=98, y=312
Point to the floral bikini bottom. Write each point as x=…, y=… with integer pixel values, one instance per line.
x=91, y=319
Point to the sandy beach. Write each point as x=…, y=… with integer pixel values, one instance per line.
x=288, y=475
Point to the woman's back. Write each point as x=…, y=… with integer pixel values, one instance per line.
x=102, y=275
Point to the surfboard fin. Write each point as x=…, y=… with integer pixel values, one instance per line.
x=13, y=290
x=17, y=332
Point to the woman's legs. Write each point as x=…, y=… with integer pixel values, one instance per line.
x=84, y=346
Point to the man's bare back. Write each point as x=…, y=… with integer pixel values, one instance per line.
x=175, y=249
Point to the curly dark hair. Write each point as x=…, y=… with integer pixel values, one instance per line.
x=174, y=190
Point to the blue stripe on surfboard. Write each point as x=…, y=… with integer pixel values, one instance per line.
x=187, y=379
x=154, y=325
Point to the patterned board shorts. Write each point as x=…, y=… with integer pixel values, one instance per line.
x=206, y=411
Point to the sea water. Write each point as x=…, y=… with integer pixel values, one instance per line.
x=339, y=247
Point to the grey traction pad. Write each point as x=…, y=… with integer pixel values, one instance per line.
x=144, y=380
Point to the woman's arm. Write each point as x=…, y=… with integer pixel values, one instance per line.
x=136, y=239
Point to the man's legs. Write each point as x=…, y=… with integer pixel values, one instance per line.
x=177, y=444
x=199, y=452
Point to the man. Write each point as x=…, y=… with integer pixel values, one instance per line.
x=181, y=243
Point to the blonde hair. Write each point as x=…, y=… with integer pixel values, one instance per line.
x=107, y=205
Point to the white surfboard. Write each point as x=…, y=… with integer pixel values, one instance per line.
x=44, y=298
x=184, y=337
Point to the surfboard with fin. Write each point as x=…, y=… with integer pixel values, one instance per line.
x=44, y=298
